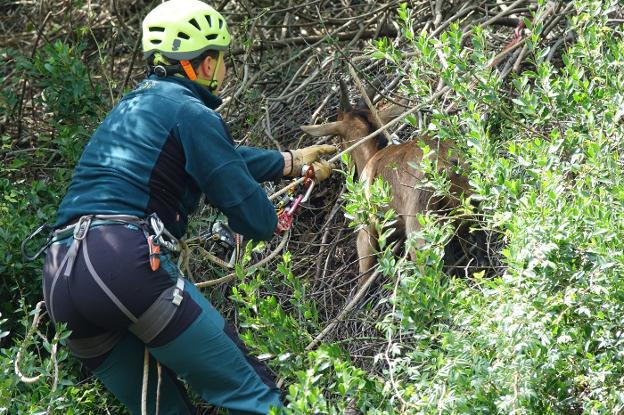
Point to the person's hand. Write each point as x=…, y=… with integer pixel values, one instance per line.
x=322, y=170
x=311, y=156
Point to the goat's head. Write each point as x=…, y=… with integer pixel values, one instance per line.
x=352, y=122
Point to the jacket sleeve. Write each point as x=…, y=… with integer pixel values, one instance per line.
x=263, y=164
x=222, y=173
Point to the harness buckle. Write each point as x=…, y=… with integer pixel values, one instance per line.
x=177, y=293
x=177, y=297
x=82, y=227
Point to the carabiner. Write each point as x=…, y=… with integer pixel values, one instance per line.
x=308, y=192
x=156, y=224
x=27, y=255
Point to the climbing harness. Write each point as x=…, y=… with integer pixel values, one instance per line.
x=287, y=207
x=146, y=326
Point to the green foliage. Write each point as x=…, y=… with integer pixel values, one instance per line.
x=322, y=381
x=56, y=391
x=67, y=90
x=545, y=336
x=32, y=182
x=34, y=179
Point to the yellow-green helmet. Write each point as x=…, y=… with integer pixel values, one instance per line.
x=183, y=30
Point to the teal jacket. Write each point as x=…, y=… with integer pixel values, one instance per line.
x=159, y=150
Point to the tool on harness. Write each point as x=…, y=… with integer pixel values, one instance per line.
x=223, y=242
x=154, y=252
x=289, y=205
x=161, y=234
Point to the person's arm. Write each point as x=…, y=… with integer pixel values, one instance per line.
x=223, y=174
x=263, y=165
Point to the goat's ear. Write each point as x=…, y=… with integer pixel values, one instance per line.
x=331, y=128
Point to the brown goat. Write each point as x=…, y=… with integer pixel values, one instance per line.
x=374, y=159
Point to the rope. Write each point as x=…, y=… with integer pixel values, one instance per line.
x=158, y=385
x=260, y=263
x=145, y=380
x=18, y=357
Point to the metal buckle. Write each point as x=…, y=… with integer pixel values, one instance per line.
x=177, y=293
x=160, y=71
x=82, y=227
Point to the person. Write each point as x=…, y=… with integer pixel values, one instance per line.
x=109, y=275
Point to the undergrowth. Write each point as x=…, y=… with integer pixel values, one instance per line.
x=541, y=335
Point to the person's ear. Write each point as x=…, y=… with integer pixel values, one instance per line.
x=207, y=67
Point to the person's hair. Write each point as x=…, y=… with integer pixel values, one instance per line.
x=214, y=54
x=194, y=62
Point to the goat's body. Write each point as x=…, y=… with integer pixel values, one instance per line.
x=394, y=165
x=397, y=165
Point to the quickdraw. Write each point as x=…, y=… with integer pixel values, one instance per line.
x=288, y=206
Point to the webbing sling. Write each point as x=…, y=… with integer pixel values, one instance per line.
x=147, y=326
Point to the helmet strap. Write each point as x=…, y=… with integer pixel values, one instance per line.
x=188, y=70
x=212, y=84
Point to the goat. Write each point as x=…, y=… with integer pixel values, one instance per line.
x=373, y=158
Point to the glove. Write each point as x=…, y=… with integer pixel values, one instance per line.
x=322, y=170
x=310, y=155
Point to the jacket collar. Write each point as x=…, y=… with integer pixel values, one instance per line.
x=201, y=92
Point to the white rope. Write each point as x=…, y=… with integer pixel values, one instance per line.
x=31, y=331
x=145, y=381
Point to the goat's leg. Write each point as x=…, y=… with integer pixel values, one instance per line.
x=412, y=225
x=366, y=248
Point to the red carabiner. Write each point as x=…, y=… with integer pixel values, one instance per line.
x=285, y=215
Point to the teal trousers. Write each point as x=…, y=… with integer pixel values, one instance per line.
x=208, y=358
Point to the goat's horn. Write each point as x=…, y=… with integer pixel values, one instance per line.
x=345, y=104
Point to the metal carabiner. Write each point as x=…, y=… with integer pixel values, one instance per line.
x=27, y=255
x=157, y=225
x=308, y=192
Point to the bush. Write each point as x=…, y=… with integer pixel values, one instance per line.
x=544, y=334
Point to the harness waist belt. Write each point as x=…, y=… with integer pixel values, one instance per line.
x=68, y=230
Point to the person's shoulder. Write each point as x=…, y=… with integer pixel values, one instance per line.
x=197, y=112
x=163, y=89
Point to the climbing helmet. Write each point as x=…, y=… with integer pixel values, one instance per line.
x=183, y=30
